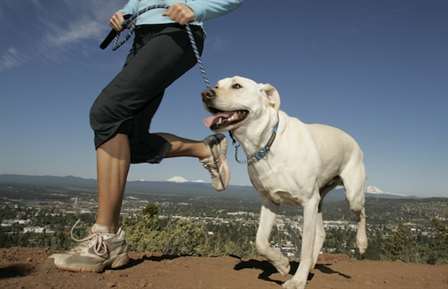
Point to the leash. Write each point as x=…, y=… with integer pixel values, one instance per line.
x=130, y=24
x=198, y=57
x=261, y=153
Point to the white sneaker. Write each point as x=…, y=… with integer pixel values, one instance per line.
x=96, y=252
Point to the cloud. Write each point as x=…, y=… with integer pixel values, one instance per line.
x=58, y=30
x=91, y=25
x=11, y=58
x=81, y=30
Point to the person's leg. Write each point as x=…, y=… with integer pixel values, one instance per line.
x=123, y=103
x=139, y=85
x=182, y=147
x=211, y=153
x=113, y=160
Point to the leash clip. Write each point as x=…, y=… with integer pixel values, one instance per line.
x=236, y=155
x=261, y=153
x=236, y=145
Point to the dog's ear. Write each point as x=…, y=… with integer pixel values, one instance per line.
x=272, y=95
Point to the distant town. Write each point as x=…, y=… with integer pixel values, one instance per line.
x=33, y=213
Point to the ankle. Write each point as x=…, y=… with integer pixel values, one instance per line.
x=99, y=228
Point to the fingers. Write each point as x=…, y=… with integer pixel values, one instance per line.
x=116, y=21
x=180, y=13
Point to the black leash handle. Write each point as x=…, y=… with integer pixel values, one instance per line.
x=129, y=20
x=112, y=34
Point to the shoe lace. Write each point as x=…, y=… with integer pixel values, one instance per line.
x=96, y=239
x=211, y=166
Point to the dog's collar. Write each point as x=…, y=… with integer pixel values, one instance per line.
x=261, y=153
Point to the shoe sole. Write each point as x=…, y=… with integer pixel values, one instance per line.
x=120, y=261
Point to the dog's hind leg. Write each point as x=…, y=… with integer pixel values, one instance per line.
x=267, y=218
x=354, y=179
x=298, y=281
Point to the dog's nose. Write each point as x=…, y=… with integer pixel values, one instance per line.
x=208, y=94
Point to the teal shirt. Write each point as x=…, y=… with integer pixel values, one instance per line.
x=203, y=9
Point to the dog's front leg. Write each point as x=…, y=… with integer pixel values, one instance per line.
x=267, y=218
x=298, y=281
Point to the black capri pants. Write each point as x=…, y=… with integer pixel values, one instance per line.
x=160, y=54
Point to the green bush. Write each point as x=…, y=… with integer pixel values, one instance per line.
x=147, y=232
x=177, y=237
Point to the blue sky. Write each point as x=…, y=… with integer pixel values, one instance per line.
x=375, y=68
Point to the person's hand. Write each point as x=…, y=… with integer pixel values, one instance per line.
x=116, y=21
x=180, y=13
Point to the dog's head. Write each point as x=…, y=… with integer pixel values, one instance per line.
x=236, y=100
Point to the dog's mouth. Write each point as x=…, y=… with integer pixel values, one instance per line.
x=224, y=119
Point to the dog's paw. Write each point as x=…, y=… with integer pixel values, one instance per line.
x=294, y=284
x=282, y=266
x=361, y=243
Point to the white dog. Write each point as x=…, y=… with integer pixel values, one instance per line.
x=288, y=162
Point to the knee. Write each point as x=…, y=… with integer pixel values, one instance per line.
x=356, y=205
x=100, y=113
x=356, y=201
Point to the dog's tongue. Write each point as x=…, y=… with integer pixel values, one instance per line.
x=210, y=120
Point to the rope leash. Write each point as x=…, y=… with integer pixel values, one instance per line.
x=198, y=57
x=130, y=24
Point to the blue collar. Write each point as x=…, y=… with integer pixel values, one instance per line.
x=261, y=153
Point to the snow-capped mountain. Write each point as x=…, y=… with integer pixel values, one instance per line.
x=377, y=191
x=177, y=179
x=374, y=190
x=181, y=179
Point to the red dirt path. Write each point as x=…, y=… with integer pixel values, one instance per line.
x=30, y=268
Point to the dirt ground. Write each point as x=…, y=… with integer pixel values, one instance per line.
x=30, y=268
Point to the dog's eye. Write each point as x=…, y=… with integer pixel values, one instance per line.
x=236, y=86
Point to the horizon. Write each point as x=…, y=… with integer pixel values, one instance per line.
x=370, y=190
x=376, y=70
